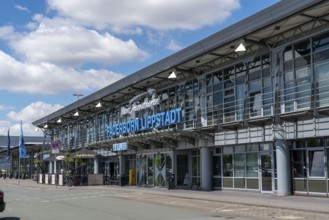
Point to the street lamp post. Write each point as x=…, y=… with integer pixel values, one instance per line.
x=78, y=95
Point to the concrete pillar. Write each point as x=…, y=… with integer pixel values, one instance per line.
x=121, y=165
x=50, y=168
x=55, y=167
x=206, y=166
x=282, y=164
x=95, y=166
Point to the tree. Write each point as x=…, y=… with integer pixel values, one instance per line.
x=41, y=165
x=72, y=163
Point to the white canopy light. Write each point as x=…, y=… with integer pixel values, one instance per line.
x=76, y=114
x=172, y=75
x=241, y=48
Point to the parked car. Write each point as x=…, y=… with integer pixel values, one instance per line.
x=2, y=201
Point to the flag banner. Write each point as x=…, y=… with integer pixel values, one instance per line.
x=22, y=148
x=8, y=147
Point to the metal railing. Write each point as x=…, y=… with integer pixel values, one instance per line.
x=304, y=96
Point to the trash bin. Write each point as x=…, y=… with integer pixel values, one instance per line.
x=132, y=177
x=122, y=180
x=171, y=181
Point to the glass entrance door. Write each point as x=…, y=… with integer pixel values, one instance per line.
x=316, y=171
x=150, y=170
x=183, y=176
x=309, y=171
x=266, y=172
x=141, y=170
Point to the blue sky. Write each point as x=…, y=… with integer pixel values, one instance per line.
x=52, y=49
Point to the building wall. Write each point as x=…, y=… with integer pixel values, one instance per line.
x=269, y=101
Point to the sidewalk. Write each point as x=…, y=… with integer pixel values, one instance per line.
x=302, y=203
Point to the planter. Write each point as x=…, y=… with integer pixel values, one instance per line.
x=75, y=180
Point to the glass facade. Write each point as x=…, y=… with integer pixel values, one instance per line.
x=238, y=91
x=244, y=167
x=310, y=166
x=303, y=63
x=153, y=169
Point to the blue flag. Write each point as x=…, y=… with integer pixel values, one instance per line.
x=8, y=147
x=22, y=148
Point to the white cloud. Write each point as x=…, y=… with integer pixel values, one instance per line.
x=159, y=14
x=28, y=129
x=33, y=112
x=62, y=42
x=22, y=8
x=4, y=107
x=173, y=45
x=7, y=32
x=46, y=78
x=27, y=115
x=4, y=125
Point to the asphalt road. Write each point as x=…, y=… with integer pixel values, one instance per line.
x=79, y=204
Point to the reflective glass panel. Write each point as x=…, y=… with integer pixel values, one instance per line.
x=252, y=164
x=316, y=163
x=217, y=165
x=239, y=165
x=227, y=165
x=299, y=164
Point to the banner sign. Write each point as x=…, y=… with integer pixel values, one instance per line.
x=120, y=146
x=148, y=122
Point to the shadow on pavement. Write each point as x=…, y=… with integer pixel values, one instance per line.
x=10, y=218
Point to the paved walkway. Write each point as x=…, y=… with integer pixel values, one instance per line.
x=302, y=203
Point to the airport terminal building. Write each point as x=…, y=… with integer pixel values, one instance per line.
x=245, y=109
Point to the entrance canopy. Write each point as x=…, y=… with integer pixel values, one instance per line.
x=169, y=136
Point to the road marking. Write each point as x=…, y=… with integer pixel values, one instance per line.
x=232, y=210
x=289, y=217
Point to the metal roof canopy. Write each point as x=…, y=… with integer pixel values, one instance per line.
x=280, y=22
x=169, y=136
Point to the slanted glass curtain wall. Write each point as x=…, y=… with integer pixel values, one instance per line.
x=305, y=74
x=239, y=92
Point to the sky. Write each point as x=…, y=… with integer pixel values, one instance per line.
x=52, y=49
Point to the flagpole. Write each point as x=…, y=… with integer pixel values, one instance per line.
x=6, y=169
x=19, y=168
x=8, y=155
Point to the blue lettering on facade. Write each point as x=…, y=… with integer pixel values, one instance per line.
x=120, y=146
x=167, y=118
x=158, y=120
x=144, y=123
